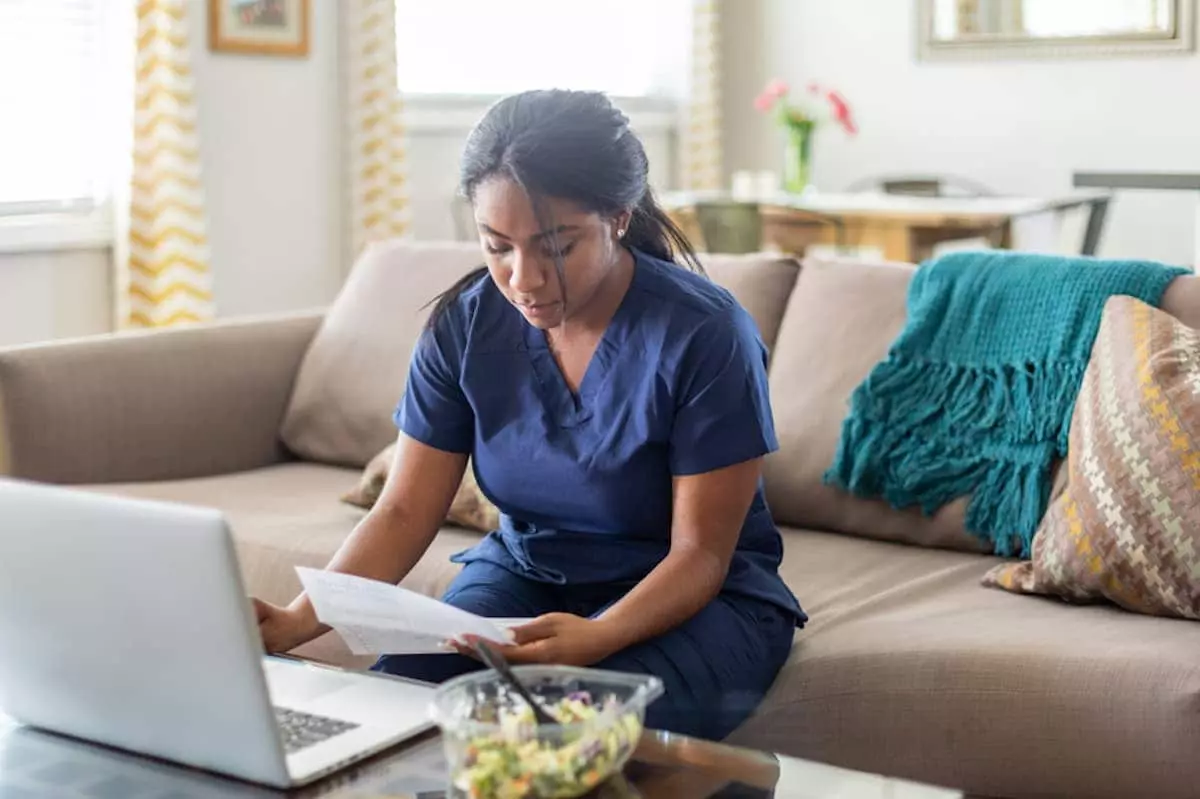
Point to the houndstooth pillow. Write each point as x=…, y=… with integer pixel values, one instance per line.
x=1127, y=529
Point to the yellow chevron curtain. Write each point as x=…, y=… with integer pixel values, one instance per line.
x=163, y=276
x=378, y=199
x=701, y=158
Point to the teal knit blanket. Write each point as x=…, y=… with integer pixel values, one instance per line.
x=975, y=396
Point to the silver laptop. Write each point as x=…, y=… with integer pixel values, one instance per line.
x=125, y=622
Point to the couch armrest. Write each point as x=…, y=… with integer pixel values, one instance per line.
x=158, y=405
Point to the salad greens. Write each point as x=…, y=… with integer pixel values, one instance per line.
x=515, y=763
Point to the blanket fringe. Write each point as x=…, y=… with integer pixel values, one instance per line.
x=1008, y=422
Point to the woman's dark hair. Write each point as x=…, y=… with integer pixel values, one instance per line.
x=568, y=145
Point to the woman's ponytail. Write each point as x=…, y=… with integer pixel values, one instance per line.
x=653, y=232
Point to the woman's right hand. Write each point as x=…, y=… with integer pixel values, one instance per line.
x=284, y=629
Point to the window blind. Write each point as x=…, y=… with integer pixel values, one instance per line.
x=53, y=81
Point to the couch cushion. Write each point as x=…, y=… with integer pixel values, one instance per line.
x=354, y=371
x=840, y=320
x=289, y=515
x=910, y=667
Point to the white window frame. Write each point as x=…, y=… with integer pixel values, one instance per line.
x=42, y=231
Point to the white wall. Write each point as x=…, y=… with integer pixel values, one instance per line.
x=1020, y=127
x=270, y=146
x=53, y=295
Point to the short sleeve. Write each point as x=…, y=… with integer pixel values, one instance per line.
x=434, y=410
x=723, y=410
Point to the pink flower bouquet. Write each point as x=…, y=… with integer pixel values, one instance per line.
x=800, y=119
x=808, y=109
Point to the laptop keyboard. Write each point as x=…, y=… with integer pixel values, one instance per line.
x=302, y=730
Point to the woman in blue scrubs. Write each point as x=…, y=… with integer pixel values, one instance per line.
x=614, y=404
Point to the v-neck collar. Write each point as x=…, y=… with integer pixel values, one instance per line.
x=570, y=408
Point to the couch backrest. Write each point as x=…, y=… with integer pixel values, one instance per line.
x=827, y=324
x=354, y=371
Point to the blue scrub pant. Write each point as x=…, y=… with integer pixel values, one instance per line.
x=716, y=667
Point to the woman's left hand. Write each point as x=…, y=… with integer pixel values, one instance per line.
x=562, y=639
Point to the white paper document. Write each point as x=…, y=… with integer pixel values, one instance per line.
x=377, y=618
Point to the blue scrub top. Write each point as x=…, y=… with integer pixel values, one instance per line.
x=583, y=481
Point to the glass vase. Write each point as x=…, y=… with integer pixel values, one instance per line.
x=797, y=156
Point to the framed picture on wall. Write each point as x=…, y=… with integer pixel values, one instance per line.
x=259, y=27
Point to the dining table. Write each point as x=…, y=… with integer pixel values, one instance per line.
x=898, y=227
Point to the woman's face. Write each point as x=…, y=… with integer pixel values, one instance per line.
x=520, y=253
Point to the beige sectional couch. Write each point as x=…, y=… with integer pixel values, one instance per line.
x=909, y=667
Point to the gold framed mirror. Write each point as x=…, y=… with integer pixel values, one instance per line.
x=997, y=29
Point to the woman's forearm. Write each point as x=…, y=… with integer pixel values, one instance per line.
x=398, y=530
x=385, y=546
x=686, y=580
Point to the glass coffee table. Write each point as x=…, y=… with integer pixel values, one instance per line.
x=40, y=765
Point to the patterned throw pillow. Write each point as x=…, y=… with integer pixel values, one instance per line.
x=470, y=508
x=1127, y=529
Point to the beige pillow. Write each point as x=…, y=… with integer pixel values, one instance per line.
x=839, y=322
x=1127, y=529
x=470, y=507
x=353, y=374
